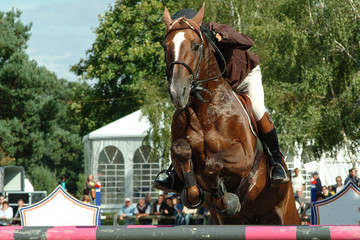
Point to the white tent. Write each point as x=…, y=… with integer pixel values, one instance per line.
x=130, y=126
x=115, y=156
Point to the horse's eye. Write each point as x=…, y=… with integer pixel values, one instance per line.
x=195, y=46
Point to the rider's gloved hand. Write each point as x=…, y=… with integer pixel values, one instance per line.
x=209, y=34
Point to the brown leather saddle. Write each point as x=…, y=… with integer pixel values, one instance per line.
x=245, y=100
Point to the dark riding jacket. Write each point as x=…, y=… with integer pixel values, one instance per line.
x=235, y=48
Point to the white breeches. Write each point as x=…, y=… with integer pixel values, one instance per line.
x=252, y=87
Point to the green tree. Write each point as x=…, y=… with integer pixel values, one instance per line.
x=43, y=179
x=34, y=125
x=125, y=59
x=15, y=35
x=128, y=61
x=80, y=185
x=309, y=57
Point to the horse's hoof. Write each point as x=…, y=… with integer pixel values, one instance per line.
x=233, y=205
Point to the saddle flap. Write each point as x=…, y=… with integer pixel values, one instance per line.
x=246, y=102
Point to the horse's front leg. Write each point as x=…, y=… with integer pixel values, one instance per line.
x=181, y=158
x=234, y=161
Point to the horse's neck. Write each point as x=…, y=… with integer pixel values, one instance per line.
x=224, y=99
x=210, y=68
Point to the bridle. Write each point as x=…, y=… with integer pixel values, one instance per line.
x=196, y=85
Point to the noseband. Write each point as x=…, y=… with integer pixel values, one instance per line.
x=196, y=85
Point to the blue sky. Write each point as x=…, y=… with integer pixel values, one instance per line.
x=62, y=30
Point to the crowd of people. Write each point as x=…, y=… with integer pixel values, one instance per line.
x=322, y=191
x=174, y=212
x=7, y=215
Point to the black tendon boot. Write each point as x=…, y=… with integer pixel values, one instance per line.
x=170, y=184
x=278, y=174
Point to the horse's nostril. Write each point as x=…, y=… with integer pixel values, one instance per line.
x=184, y=92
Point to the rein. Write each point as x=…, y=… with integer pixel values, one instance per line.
x=196, y=85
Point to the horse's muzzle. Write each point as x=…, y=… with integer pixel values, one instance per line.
x=179, y=96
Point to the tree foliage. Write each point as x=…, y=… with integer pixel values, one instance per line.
x=310, y=58
x=35, y=129
x=125, y=59
x=43, y=179
x=309, y=55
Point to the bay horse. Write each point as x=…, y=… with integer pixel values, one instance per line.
x=214, y=150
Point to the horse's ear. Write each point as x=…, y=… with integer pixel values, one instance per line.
x=200, y=15
x=167, y=18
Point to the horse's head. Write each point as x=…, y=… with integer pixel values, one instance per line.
x=184, y=50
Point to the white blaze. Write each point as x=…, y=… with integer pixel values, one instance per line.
x=177, y=40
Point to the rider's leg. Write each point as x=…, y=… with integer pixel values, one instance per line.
x=268, y=135
x=252, y=86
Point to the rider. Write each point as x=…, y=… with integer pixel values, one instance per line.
x=244, y=76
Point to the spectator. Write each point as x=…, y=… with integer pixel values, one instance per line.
x=338, y=186
x=325, y=192
x=62, y=182
x=17, y=214
x=300, y=202
x=319, y=197
x=142, y=209
x=2, y=200
x=318, y=184
x=178, y=210
x=6, y=212
x=206, y=215
x=90, y=188
x=85, y=199
x=20, y=205
x=157, y=206
x=297, y=181
x=148, y=199
x=127, y=211
x=187, y=213
x=168, y=210
x=305, y=220
x=331, y=190
x=352, y=177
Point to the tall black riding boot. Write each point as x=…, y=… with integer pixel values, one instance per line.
x=268, y=135
x=171, y=183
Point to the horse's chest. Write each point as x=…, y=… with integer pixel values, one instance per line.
x=215, y=142
x=205, y=135
x=209, y=142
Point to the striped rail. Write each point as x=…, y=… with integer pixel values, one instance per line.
x=181, y=232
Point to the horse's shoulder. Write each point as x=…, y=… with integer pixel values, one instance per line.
x=185, y=123
x=185, y=116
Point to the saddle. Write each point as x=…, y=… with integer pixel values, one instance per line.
x=246, y=102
